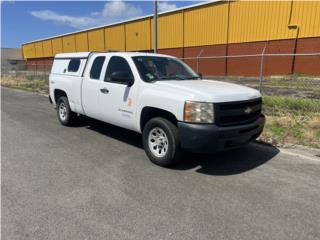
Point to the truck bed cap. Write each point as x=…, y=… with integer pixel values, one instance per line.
x=72, y=55
x=86, y=54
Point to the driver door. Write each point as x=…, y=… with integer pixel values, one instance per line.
x=117, y=100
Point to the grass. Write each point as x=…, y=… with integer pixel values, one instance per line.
x=293, y=84
x=279, y=105
x=290, y=120
x=28, y=83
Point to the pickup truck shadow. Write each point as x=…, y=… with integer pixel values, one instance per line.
x=230, y=162
x=121, y=134
x=224, y=163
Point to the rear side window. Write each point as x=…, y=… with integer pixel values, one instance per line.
x=95, y=71
x=117, y=64
x=74, y=65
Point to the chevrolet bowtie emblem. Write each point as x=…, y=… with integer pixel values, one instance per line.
x=248, y=110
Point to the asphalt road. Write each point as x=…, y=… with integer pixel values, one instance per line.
x=93, y=181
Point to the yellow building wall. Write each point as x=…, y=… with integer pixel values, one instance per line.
x=138, y=35
x=69, y=44
x=81, y=41
x=47, y=48
x=115, y=38
x=306, y=14
x=96, y=40
x=57, y=46
x=28, y=51
x=259, y=20
x=170, y=30
x=268, y=20
x=206, y=25
x=39, y=49
x=216, y=23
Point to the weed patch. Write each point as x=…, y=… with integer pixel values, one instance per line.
x=291, y=121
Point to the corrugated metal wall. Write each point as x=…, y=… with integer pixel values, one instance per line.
x=170, y=31
x=82, y=44
x=307, y=16
x=96, y=40
x=68, y=44
x=138, y=35
x=252, y=21
x=115, y=38
x=47, y=48
x=211, y=24
x=56, y=46
x=206, y=25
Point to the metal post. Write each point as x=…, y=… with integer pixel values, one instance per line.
x=261, y=67
x=198, y=59
x=155, y=18
x=44, y=72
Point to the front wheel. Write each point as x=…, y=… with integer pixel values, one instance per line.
x=161, y=142
x=65, y=115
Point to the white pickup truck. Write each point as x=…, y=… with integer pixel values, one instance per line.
x=159, y=96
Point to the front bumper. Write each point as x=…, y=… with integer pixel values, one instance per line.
x=209, y=138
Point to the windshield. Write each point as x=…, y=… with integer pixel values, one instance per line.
x=163, y=68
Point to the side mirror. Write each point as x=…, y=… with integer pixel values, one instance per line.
x=200, y=75
x=130, y=81
x=122, y=77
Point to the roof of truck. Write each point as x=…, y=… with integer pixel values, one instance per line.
x=72, y=55
x=86, y=54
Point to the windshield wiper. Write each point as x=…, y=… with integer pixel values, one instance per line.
x=176, y=77
x=191, y=78
x=171, y=77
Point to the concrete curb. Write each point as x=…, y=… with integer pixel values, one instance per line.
x=304, y=152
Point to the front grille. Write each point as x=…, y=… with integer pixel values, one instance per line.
x=237, y=113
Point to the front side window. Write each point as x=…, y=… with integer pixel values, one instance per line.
x=97, y=65
x=153, y=68
x=118, y=65
x=74, y=65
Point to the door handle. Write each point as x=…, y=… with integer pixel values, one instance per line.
x=104, y=90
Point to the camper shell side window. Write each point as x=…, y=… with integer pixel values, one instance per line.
x=74, y=65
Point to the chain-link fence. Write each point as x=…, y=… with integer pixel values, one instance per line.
x=269, y=73
x=26, y=70
x=294, y=74
x=27, y=76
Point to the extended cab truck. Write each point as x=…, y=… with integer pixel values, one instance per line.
x=158, y=96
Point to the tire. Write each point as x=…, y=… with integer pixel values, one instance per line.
x=161, y=143
x=65, y=115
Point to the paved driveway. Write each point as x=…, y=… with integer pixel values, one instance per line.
x=93, y=181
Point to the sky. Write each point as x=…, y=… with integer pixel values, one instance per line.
x=23, y=21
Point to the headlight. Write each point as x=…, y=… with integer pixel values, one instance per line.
x=198, y=112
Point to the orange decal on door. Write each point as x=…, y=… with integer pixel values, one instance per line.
x=129, y=102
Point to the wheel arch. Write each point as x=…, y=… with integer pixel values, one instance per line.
x=148, y=113
x=59, y=93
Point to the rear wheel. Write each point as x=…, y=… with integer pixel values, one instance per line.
x=161, y=142
x=65, y=115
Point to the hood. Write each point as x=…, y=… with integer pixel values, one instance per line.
x=211, y=90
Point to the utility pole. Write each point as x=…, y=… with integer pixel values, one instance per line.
x=155, y=29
